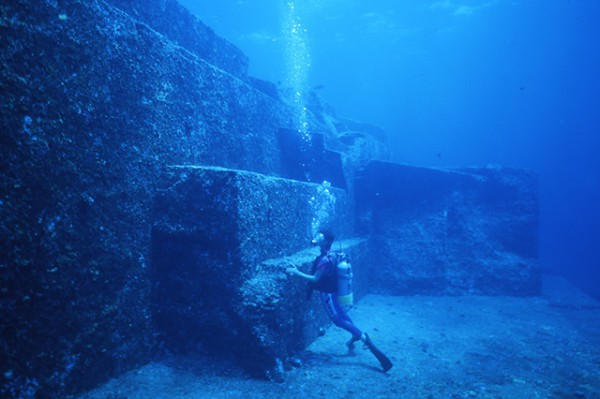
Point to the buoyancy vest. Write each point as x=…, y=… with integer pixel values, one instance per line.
x=328, y=280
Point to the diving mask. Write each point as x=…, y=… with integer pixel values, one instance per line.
x=318, y=240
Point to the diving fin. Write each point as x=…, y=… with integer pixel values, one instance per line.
x=386, y=364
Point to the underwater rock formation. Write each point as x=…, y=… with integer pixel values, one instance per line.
x=221, y=242
x=99, y=100
x=170, y=19
x=464, y=231
x=95, y=104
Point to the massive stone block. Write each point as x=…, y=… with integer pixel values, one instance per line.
x=450, y=231
x=259, y=216
x=171, y=19
x=221, y=241
x=95, y=103
x=280, y=318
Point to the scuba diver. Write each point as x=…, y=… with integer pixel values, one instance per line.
x=324, y=278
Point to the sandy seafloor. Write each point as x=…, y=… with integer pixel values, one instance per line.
x=442, y=347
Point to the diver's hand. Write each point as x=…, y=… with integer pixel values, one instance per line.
x=291, y=270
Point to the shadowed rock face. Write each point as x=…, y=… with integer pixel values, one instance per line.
x=104, y=246
x=450, y=232
x=221, y=242
x=95, y=104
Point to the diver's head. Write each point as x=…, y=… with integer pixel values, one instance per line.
x=323, y=239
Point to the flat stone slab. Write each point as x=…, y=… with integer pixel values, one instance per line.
x=442, y=347
x=259, y=216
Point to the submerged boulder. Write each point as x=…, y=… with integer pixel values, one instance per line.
x=462, y=231
x=222, y=239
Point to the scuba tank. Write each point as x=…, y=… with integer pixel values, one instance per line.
x=344, y=281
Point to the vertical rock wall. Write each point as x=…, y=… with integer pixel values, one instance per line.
x=221, y=242
x=435, y=232
x=95, y=104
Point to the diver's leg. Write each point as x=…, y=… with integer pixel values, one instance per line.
x=339, y=317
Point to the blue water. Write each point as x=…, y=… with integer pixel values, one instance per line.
x=456, y=83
